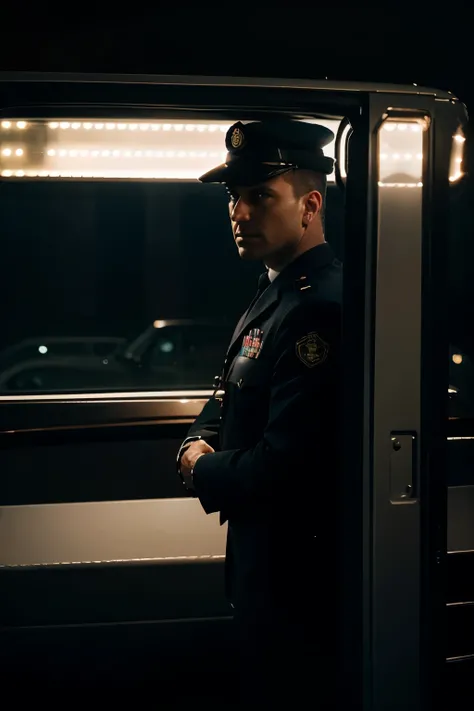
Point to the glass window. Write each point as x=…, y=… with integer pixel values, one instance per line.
x=118, y=270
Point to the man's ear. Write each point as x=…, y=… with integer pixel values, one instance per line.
x=312, y=206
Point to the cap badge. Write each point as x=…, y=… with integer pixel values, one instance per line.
x=237, y=138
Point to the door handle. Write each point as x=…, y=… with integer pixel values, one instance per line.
x=403, y=467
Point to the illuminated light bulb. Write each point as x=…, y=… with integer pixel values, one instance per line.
x=402, y=126
x=458, y=160
x=128, y=154
x=383, y=156
x=149, y=154
x=181, y=154
x=133, y=127
x=99, y=126
x=419, y=185
x=6, y=124
x=88, y=126
x=178, y=126
x=138, y=154
x=457, y=358
x=396, y=156
x=155, y=127
x=21, y=124
x=53, y=124
x=415, y=128
x=115, y=153
x=63, y=152
x=105, y=153
x=459, y=138
x=7, y=152
x=212, y=127
x=7, y=173
x=121, y=126
x=390, y=126
x=407, y=156
x=95, y=153
x=167, y=127
x=76, y=125
x=64, y=124
x=110, y=126
x=144, y=127
x=73, y=153
x=419, y=156
x=51, y=152
x=189, y=127
x=84, y=153
x=20, y=173
x=169, y=154
x=201, y=128
x=19, y=152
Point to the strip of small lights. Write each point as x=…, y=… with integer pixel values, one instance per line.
x=121, y=153
x=123, y=126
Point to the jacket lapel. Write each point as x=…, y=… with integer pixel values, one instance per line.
x=263, y=303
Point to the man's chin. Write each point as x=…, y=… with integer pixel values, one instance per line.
x=250, y=251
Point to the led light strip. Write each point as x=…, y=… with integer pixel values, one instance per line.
x=128, y=153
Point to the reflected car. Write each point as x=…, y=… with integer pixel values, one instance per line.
x=169, y=354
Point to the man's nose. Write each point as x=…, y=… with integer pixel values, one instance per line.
x=240, y=211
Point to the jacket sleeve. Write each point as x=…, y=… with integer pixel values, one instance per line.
x=302, y=410
x=207, y=423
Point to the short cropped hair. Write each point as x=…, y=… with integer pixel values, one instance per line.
x=304, y=181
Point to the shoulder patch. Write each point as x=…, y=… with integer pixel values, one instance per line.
x=312, y=350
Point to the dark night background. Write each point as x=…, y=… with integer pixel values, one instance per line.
x=390, y=44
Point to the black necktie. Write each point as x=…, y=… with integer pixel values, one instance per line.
x=263, y=282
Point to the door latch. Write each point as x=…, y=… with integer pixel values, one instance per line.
x=403, y=464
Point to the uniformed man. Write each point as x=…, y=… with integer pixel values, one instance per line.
x=263, y=452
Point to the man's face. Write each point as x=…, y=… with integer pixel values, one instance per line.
x=267, y=219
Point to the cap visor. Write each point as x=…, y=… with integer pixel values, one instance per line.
x=240, y=173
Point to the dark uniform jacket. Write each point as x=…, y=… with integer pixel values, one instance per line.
x=273, y=476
